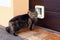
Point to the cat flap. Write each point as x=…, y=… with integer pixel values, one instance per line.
x=40, y=10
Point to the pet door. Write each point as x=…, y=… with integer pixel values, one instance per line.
x=40, y=11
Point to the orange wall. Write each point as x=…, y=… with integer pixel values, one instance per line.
x=20, y=6
x=6, y=13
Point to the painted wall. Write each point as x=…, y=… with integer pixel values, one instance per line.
x=20, y=7
x=6, y=12
x=14, y=8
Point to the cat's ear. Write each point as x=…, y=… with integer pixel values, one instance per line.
x=28, y=12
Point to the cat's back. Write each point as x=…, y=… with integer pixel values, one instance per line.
x=20, y=17
x=25, y=16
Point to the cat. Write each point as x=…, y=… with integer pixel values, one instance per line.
x=22, y=21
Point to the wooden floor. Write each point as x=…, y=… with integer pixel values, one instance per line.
x=40, y=33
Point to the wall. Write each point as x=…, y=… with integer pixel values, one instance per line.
x=20, y=7
x=6, y=13
x=52, y=13
x=16, y=7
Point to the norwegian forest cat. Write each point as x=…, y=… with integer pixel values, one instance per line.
x=22, y=21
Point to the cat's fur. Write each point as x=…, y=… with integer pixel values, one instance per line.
x=22, y=21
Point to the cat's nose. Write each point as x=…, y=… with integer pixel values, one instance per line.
x=33, y=15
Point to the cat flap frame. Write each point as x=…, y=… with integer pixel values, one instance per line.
x=40, y=11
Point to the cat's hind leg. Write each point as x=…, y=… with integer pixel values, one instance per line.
x=11, y=26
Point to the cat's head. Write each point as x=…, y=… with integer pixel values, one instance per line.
x=32, y=14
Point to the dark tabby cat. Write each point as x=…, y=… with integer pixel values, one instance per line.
x=22, y=21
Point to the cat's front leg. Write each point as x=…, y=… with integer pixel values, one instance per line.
x=30, y=23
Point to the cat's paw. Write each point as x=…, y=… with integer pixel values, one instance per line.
x=31, y=28
x=15, y=34
x=7, y=29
